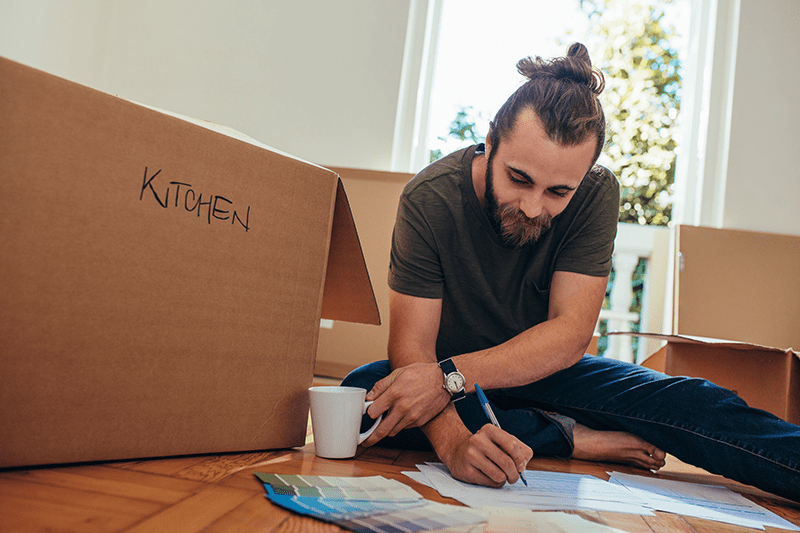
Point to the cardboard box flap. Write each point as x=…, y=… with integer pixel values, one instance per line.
x=765, y=377
x=708, y=341
x=348, y=294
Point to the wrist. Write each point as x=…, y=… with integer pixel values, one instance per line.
x=446, y=432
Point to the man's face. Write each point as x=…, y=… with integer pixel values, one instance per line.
x=515, y=228
x=530, y=179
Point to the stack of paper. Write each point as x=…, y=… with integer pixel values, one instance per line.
x=552, y=491
x=711, y=502
x=623, y=493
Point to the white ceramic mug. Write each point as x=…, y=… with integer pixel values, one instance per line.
x=336, y=418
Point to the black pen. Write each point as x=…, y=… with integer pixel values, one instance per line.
x=493, y=419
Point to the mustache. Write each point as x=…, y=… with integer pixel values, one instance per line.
x=518, y=229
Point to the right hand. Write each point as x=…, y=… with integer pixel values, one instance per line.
x=408, y=397
x=489, y=457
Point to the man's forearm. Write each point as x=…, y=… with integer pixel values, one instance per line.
x=530, y=356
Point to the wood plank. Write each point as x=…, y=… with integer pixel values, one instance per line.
x=219, y=467
x=195, y=512
x=30, y=506
x=410, y=459
x=70, y=496
x=668, y=523
x=700, y=525
x=256, y=514
x=21, y=514
x=784, y=508
x=166, y=466
x=376, y=454
x=591, y=516
x=630, y=523
x=295, y=523
x=112, y=481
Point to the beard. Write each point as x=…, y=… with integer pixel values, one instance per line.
x=510, y=223
x=517, y=229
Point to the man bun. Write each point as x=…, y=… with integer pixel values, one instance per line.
x=563, y=93
x=578, y=51
x=576, y=67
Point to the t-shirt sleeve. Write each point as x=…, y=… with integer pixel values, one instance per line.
x=589, y=250
x=414, y=267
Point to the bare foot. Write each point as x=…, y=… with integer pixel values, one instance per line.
x=616, y=447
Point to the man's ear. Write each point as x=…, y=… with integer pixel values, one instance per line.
x=488, y=142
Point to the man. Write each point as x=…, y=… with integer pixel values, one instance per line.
x=500, y=259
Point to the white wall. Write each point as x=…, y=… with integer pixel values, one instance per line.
x=321, y=80
x=317, y=79
x=762, y=190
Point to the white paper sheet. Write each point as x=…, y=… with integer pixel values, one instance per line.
x=546, y=491
x=711, y=502
x=637, y=495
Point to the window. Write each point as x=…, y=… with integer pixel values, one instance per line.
x=639, y=44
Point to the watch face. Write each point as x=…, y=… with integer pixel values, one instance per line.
x=455, y=382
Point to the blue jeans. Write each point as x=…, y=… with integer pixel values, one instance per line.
x=692, y=419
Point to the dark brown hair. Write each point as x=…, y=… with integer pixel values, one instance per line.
x=563, y=94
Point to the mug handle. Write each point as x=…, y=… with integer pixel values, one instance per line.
x=363, y=436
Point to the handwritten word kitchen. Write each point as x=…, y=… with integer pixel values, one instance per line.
x=179, y=194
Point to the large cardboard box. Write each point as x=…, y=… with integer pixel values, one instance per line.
x=161, y=283
x=766, y=378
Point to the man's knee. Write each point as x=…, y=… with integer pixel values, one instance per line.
x=366, y=376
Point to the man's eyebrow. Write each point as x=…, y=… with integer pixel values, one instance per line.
x=522, y=173
x=527, y=178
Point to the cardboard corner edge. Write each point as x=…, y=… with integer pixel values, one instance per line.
x=704, y=341
x=348, y=294
x=656, y=361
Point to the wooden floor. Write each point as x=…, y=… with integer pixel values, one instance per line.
x=218, y=493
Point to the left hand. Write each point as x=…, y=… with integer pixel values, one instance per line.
x=408, y=397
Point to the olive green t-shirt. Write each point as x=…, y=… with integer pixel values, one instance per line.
x=444, y=246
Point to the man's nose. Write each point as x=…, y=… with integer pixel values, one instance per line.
x=531, y=204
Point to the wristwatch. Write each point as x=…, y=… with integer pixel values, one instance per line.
x=453, y=380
